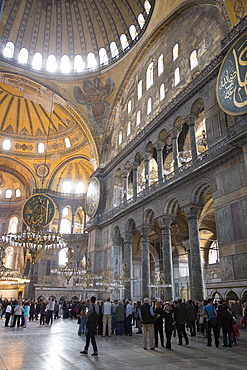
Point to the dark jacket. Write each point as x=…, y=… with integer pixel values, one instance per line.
x=147, y=318
x=191, y=312
x=227, y=321
x=180, y=314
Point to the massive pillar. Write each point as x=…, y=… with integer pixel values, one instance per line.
x=160, y=162
x=196, y=275
x=116, y=260
x=145, y=262
x=72, y=223
x=167, y=258
x=186, y=244
x=128, y=261
x=191, y=120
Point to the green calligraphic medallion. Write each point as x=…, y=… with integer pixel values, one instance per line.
x=232, y=79
x=93, y=197
x=38, y=210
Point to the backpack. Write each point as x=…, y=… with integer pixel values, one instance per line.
x=92, y=320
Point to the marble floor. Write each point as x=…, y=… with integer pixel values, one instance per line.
x=58, y=347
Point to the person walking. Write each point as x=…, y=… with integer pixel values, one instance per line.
x=26, y=313
x=50, y=310
x=128, y=318
x=211, y=320
x=180, y=317
x=92, y=322
x=18, y=311
x=147, y=318
x=191, y=316
x=8, y=313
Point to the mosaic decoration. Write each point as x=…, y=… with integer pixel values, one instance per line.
x=93, y=95
x=42, y=170
x=238, y=7
x=24, y=147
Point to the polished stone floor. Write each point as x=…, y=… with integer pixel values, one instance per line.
x=58, y=347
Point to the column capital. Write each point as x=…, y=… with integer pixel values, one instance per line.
x=174, y=132
x=166, y=220
x=192, y=210
x=147, y=156
x=191, y=119
x=125, y=173
x=159, y=145
x=128, y=237
x=135, y=165
x=186, y=244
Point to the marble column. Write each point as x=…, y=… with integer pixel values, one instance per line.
x=191, y=120
x=167, y=258
x=116, y=260
x=196, y=274
x=146, y=169
x=72, y=223
x=175, y=148
x=59, y=222
x=186, y=244
x=125, y=185
x=128, y=261
x=145, y=263
x=135, y=180
x=159, y=150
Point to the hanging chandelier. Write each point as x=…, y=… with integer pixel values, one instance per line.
x=38, y=212
x=69, y=269
x=85, y=277
x=117, y=283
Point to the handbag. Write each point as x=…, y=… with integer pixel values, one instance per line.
x=213, y=322
x=201, y=321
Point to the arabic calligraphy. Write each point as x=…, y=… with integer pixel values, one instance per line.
x=38, y=210
x=232, y=79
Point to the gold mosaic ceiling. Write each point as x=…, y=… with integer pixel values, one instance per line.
x=69, y=27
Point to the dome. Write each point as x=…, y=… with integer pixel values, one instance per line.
x=72, y=35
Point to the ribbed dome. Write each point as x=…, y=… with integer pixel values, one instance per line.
x=72, y=27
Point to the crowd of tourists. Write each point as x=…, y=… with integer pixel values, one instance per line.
x=157, y=321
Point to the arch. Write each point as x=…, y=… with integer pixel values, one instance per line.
x=216, y=295
x=103, y=58
x=79, y=65
x=171, y=206
x=65, y=66
x=51, y=64
x=200, y=193
x=8, y=51
x=197, y=107
x=130, y=226
x=23, y=56
x=37, y=61
x=149, y=217
x=230, y=294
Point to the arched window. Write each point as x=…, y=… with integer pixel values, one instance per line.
x=150, y=75
x=129, y=106
x=80, y=188
x=13, y=223
x=141, y=20
x=8, y=194
x=67, y=187
x=78, y=63
x=65, y=66
x=114, y=49
x=147, y=6
x=160, y=64
x=51, y=64
x=65, y=226
x=162, y=91
x=128, y=129
x=67, y=142
x=91, y=61
x=66, y=211
x=175, y=52
x=103, y=58
x=120, y=138
x=213, y=254
x=149, y=106
x=133, y=32
x=6, y=144
x=193, y=59
x=62, y=257
x=176, y=76
x=124, y=41
x=139, y=90
x=23, y=56
x=41, y=148
x=8, y=51
x=138, y=117
x=37, y=61
x=17, y=193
